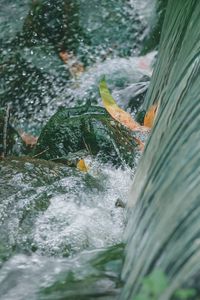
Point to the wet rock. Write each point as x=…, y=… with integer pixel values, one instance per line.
x=54, y=22
x=120, y=203
x=32, y=74
x=81, y=29
x=152, y=39
x=21, y=81
x=115, y=31
x=88, y=128
x=100, y=279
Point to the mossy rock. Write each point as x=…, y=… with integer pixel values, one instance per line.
x=22, y=83
x=96, y=270
x=55, y=22
x=86, y=128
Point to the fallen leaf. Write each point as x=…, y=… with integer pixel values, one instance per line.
x=150, y=116
x=28, y=139
x=116, y=112
x=81, y=165
x=64, y=55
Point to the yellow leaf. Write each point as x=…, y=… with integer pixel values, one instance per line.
x=81, y=165
x=150, y=116
x=116, y=112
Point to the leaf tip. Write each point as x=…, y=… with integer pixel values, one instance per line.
x=81, y=165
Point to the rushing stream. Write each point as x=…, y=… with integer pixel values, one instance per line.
x=54, y=221
x=61, y=229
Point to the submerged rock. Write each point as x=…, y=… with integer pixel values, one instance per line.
x=100, y=279
x=88, y=128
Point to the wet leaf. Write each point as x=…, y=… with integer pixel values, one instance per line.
x=184, y=294
x=81, y=165
x=116, y=112
x=28, y=139
x=64, y=55
x=150, y=116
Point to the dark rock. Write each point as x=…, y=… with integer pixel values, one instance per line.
x=120, y=203
x=140, y=117
x=88, y=128
x=21, y=81
x=55, y=22
x=152, y=40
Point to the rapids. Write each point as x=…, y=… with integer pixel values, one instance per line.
x=62, y=234
x=61, y=231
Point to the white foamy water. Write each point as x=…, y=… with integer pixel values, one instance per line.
x=63, y=214
x=85, y=218
x=119, y=72
x=80, y=221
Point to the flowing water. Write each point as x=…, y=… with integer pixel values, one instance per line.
x=61, y=231
x=164, y=228
x=34, y=78
x=61, y=234
x=55, y=221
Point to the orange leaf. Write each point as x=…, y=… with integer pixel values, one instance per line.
x=150, y=116
x=116, y=112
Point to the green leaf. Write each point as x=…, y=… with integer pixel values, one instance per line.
x=184, y=294
x=155, y=283
x=153, y=286
x=105, y=94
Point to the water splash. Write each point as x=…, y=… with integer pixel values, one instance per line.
x=54, y=220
